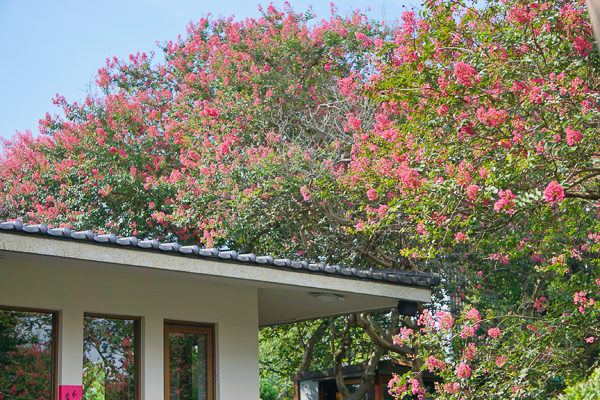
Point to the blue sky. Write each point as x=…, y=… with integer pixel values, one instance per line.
x=56, y=46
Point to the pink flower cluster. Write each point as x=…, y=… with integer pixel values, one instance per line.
x=492, y=117
x=426, y=320
x=494, y=332
x=506, y=202
x=501, y=360
x=473, y=315
x=444, y=320
x=416, y=388
x=573, y=136
x=469, y=330
x=452, y=387
x=472, y=191
x=540, y=304
x=460, y=237
x=469, y=352
x=521, y=14
x=463, y=371
x=581, y=299
x=554, y=192
x=305, y=193
x=465, y=74
x=403, y=337
x=372, y=194
x=394, y=387
x=581, y=46
x=432, y=362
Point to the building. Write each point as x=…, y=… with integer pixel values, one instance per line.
x=125, y=318
x=321, y=385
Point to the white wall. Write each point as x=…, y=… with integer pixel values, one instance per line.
x=75, y=287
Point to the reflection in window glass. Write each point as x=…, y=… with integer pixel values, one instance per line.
x=187, y=366
x=26, y=346
x=109, y=358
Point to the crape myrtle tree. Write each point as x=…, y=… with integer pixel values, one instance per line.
x=238, y=140
x=219, y=145
x=485, y=155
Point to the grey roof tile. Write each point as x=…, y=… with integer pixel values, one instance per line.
x=412, y=278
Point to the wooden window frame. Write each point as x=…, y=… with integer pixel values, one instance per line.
x=192, y=327
x=137, y=347
x=55, y=344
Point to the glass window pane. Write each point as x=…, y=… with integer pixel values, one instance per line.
x=109, y=358
x=26, y=354
x=188, y=377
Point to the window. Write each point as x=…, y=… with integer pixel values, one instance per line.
x=189, y=361
x=111, y=362
x=28, y=354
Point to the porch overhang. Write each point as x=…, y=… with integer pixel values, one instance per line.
x=284, y=295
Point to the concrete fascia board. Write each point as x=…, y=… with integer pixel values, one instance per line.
x=145, y=259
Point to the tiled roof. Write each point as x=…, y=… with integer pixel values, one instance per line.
x=400, y=277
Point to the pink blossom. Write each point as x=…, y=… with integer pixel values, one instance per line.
x=469, y=352
x=472, y=191
x=501, y=360
x=443, y=110
x=540, y=304
x=591, y=339
x=408, y=17
x=520, y=14
x=473, y=315
x=494, y=332
x=451, y=387
x=354, y=123
x=468, y=331
x=432, y=362
x=305, y=193
x=492, y=116
x=464, y=73
x=416, y=388
x=426, y=320
x=506, y=202
x=554, y=192
x=460, y=237
x=360, y=226
x=175, y=176
x=372, y=194
x=394, y=386
x=445, y=320
x=361, y=37
x=403, y=337
x=463, y=371
x=573, y=136
x=581, y=46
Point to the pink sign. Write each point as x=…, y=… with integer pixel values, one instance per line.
x=68, y=392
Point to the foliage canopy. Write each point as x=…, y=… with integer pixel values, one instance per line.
x=462, y=141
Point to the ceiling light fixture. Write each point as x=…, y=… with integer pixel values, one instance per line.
x=327, y=297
